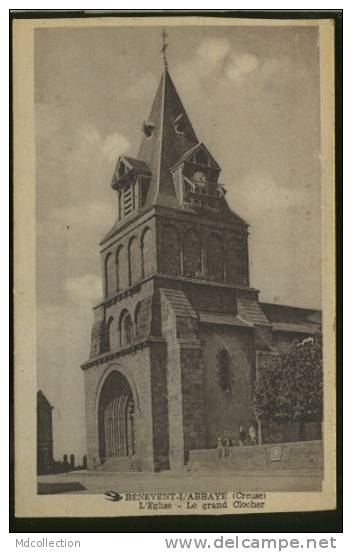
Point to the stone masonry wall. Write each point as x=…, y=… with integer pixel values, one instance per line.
x=227, y=410
x=193, y=398
x=302, y=455
x=131, y=256
x=139, y=297
x=185, y=378
x=206, y=245
x=174, y=386
x=158, y=363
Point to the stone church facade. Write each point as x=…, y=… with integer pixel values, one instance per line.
x=180, y=333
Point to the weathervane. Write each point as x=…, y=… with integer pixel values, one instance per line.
x=165, y=45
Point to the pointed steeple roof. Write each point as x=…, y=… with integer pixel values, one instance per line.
x=172, y=136
x=169, y=139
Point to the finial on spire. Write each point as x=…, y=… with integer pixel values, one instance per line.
x=165, y=45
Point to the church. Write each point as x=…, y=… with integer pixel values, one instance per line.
x=179, y=334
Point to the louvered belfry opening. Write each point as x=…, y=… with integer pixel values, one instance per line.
x=128, y=200
x=116, y=418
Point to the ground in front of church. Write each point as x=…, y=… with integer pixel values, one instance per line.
x=95, y=482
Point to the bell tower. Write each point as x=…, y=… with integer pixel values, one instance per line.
x=175, y=273
x=174, y=170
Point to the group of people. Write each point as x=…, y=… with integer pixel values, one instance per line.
x=250, y=437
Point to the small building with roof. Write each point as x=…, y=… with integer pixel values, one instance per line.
x=45, y=459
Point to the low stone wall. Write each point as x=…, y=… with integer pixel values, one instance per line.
x=304, y=455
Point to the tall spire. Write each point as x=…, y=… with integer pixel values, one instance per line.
x=164, y=47
x=172, y=135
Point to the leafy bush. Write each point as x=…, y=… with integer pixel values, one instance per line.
x=290, y=387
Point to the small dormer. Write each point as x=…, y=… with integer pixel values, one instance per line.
x=195, y=178
x=131, y=180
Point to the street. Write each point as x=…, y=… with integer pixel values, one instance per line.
x=98, y=482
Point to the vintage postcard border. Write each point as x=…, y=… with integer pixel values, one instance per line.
x=28, y=503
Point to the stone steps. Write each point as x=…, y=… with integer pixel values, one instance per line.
x=120, y=464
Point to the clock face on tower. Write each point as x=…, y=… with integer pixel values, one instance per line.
x=200, y=178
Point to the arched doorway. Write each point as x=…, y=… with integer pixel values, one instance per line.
x=116, y=418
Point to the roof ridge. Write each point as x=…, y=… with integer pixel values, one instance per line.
x=162, y=118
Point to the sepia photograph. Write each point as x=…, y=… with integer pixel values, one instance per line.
x=174, y=266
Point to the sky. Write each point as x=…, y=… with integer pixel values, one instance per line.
x=252, y=94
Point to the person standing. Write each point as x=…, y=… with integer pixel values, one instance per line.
x=253, y=435
x=242, y=436
x=227, y=446
x=220, y=447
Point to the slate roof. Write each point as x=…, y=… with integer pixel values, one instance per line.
x=42, y=400
x=251, y=312
x=296, y=328
x=292, y=319
x=222, y=319
x=294, y=315
x=137, y=163
x=179, y=302
x=165, y=146
x=188, y=153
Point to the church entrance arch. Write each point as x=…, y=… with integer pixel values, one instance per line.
x=116, y=417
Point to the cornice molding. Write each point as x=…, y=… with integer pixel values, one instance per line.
x=109, y=356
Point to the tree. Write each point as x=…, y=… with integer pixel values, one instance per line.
x=290, y=387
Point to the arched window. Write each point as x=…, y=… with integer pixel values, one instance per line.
x=109, y=329
x=134, y=262
x=126, y=329
x=192, y=254
x=121, y=268
x=170, y=250
x=224, y=369
x=215, y=258
x=110, y=278
x=147, y=251
x=234, y=263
